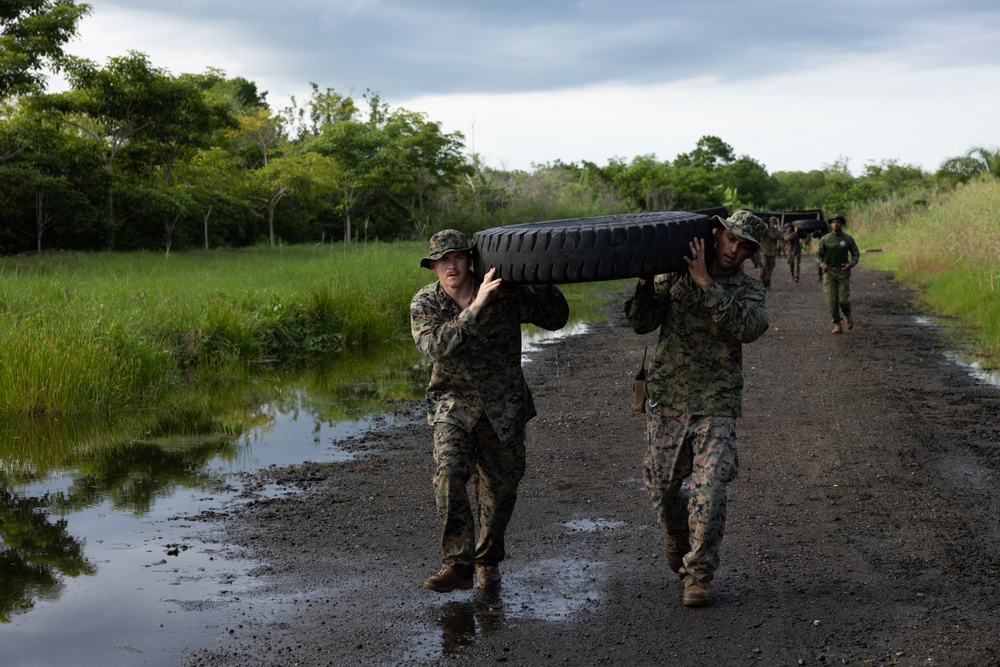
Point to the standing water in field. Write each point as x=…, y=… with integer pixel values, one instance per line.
x=99, y=561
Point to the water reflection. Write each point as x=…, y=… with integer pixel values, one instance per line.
x=89, y=506
x=974, y=367
x=35, y=551
x=462, y=621
x=550, y=590
x=53, y=470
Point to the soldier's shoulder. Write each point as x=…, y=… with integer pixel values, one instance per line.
x=426, y=293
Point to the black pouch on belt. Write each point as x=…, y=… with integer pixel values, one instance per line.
x=639, y=387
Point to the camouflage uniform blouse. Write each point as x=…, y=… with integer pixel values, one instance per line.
x=477, y=362
x=793, y=240
x=769, y=244
x=698, y=365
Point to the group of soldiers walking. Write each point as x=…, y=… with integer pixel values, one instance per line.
x=836, y=255
x=479, y=403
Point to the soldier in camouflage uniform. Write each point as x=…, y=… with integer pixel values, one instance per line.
x=794, y=251
x=478, y=401
x=836, y=255
x=695, y=383
x=769, y=247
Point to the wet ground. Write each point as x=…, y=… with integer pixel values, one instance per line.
x=863, y=528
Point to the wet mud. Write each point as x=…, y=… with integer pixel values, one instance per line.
x=862, y=528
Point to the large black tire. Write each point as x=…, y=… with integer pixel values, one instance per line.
x=607, y=247
x=814, y=227
x=810, y=225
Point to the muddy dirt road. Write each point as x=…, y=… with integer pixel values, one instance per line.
x=864, y=528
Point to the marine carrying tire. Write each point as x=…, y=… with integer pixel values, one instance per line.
x=607, y=247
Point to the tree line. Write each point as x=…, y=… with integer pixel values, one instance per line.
x=133, y=157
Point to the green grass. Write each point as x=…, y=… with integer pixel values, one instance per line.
x=110, y=332
x=949, y=249
x=105, y=332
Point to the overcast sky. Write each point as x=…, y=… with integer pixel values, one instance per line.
x=794, y=84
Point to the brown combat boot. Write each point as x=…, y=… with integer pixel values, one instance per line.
x=487, y=576
x=837, y=329
x=697, y=593
x=850, y=322
x=448, y=579
x=677, y=546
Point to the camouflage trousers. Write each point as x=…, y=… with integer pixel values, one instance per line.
x=837, y=290
x=769, y=261
x=794, y=260
x=498, y=468
x=689, y=461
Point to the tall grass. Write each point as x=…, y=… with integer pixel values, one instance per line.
x=949, y=248
x=104, y=332
x=111, y=332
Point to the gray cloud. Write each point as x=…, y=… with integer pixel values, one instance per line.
x=402, y=48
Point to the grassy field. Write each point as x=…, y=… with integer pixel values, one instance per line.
x=948, y=247
x=100, y=333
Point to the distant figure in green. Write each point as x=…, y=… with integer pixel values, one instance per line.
x=794, y=245
x=477, y=400
x=705, y=316
x=769, y=245
x=836, y=255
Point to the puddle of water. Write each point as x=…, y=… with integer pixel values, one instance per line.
x=592, y=525
x=112, y=571
x=533, y=338
x=971, y=365
x=552, y=590
x=115, y=575
x=126, y=611
x=974, y=368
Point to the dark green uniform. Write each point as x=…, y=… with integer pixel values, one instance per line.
x=835, y=250
x=479, y=404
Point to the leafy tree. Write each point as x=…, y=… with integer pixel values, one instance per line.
x=645, y=183
x=142, y=118
x=323, y=110
x=963, y=168
x=297, y=173
x=749, y=178
x=112, y=106
x=888, y=178
x=190, y=119
x=214, y=180
x=710, y=153
x=354, y=145
x=51, y=179
x=797, y=190
x=419, y=161
x=259, y=135
x=241, y=94
x=32, y=34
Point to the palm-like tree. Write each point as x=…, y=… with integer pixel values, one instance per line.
x=963, y=168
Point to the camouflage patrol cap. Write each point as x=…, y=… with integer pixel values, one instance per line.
x=773, y=219
x=838, y=217
x=447, y=240
x=744, y=224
